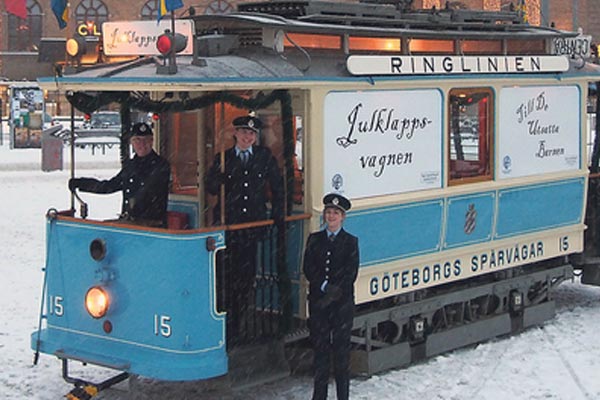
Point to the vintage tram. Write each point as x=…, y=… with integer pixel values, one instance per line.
x=459, y=136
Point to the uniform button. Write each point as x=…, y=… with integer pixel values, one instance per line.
x=326, y=261
x=142, y=184
x=130, y=179
x=126, y=201
x=246, y=172
x=326, y=276
x=326, y=269
x=244, y=210
x=245, y=184
x=127, y=190
x=328, y=253
x=245, y=197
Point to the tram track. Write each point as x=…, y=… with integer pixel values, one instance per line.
x=569, y=367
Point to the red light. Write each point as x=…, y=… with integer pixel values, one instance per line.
x=107, y=326
x=155, y=117
x=164, y=44
x=87, y=116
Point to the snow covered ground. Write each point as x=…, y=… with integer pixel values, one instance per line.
x=560, y=360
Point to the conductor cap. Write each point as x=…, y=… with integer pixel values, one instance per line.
x=141, y=129
x=336, y=201
x=248, y=122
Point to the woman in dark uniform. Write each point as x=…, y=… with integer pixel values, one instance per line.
x=248, y=171
x=331, y=262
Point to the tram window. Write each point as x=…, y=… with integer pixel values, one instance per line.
x=526, y=46
x=273, y=138
x=482, y=46
x=220, y=137
x=469, y=135
x=182, y=144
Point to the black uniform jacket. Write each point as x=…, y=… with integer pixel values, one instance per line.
x=145, y=185
x=337, y=262
x=246, y=187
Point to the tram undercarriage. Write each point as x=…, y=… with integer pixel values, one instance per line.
x=455, y=316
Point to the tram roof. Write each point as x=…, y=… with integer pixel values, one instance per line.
x=253, y=59
x=251, y=70
x=379, y=27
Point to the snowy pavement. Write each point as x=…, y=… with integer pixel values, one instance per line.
x=560, y=360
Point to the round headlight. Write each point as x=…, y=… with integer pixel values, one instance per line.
x=97, y=302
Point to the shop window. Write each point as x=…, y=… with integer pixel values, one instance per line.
x=150, y=11
x=91, y=11
x=470, y=118
x=25, y=34
x=219, y=7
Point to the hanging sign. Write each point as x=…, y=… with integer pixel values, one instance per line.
x=139, y=37
x=382, y=142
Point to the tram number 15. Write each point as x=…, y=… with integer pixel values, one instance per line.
x=55, y=305
x=563, y=243
x=162, y=325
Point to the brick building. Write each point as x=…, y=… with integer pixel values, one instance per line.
x=20, y=39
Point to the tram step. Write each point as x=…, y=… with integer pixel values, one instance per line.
x=257, y=364
x=298, y=334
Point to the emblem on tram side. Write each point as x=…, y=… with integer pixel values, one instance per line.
x=470, y=219
x=337, y=182
x=506, y=164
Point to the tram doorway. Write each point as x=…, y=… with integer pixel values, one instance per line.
x=260, y=266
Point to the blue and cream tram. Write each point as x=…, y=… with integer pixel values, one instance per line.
x=457, y=134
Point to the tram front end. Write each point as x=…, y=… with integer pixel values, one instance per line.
x=131, y=299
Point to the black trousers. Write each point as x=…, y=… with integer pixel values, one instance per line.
x=330, y=332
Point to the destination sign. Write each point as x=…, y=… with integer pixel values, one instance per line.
x=576, y=46
x=430, y=65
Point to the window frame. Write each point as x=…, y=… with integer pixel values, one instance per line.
x=489, y=134
x=30, y=40
x=95, y=11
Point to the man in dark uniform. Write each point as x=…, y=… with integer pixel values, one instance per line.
x=331, y=262
x=144, y=180
x=248, y=171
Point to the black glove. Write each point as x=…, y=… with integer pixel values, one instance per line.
x=74, y=183
x=333, y=291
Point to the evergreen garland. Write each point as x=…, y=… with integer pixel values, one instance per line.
x=88, y=103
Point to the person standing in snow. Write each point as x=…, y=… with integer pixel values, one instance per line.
x=144, y=180
x=331, y=260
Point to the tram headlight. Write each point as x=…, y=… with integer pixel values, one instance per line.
x=97, y=301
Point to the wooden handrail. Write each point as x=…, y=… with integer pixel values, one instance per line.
x=232, y=227
x=594, y=175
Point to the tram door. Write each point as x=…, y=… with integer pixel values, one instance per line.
x=256, y=270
